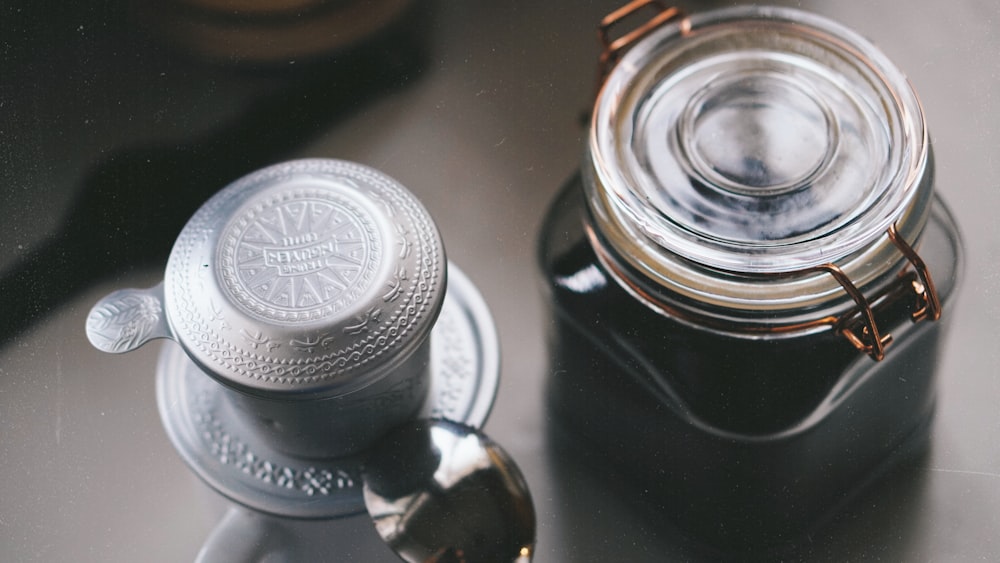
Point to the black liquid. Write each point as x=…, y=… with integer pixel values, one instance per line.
x=744, y=443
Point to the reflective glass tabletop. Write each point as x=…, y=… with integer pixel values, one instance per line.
x=116, y=122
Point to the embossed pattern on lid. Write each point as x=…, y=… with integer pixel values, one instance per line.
x=311, y=277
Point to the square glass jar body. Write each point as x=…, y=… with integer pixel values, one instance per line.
x=743, y=441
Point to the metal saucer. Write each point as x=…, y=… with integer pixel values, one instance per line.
x=213, y=442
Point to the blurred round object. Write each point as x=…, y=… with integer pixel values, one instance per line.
x=255, y=7
x=258, y=32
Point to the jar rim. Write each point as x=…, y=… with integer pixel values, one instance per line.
x=632, y=204
x=751, y=275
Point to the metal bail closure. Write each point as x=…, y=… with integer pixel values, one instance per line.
x=613, y=49
x=869, y=339
x=930, y=304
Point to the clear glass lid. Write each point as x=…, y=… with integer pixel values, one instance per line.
x=755, y=140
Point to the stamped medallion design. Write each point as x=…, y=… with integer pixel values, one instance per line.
x=299, y=254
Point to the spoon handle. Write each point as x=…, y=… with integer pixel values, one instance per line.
x=128, y=318
x=244, y=536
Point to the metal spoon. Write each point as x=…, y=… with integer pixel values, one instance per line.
x=442, y=492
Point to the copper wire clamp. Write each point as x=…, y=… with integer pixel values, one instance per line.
x=869, y=340
x=865, y=336
x=614, y=48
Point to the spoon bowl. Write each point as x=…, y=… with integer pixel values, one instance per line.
x=439, y=491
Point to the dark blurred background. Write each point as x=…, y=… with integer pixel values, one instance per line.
x=118, y=118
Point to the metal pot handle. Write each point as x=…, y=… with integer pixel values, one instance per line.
x=126, y=319
x=243, y=536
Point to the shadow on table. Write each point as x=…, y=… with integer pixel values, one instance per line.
x=129, y=207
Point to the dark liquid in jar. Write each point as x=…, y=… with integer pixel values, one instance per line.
x=744, y=442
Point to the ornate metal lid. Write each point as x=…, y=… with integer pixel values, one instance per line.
x=310, y=278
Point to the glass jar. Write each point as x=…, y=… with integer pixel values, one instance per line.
x=744, y=318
